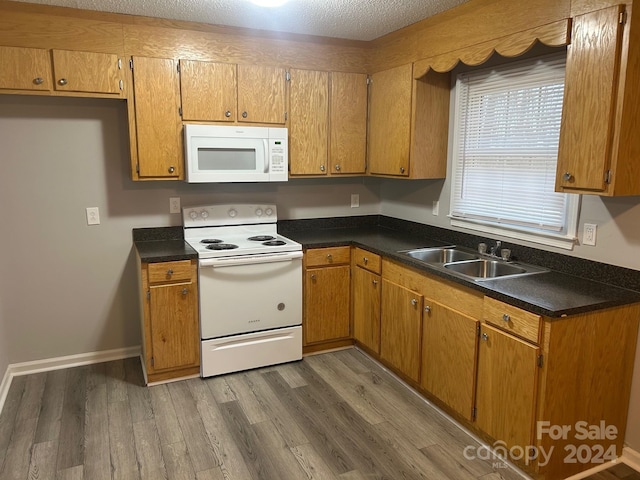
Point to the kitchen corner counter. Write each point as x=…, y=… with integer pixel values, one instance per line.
x=552, y=294
x=164, y=244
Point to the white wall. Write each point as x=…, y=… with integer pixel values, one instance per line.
x=68, y=288
x=4, y=352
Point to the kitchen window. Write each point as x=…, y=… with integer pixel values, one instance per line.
x=507, y=126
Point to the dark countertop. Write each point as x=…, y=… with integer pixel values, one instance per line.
x=552, y=294
x=164, y=244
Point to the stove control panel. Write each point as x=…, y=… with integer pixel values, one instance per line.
x=222, y=215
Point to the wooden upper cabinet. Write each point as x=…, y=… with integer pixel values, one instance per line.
x=390, y=121
x=261, y=94
x=208, y=91
x=309, y=122
x=348, y=123
x=87, y=72
x=599, y=148
x=25, y=69
x=327, y=123
x=156, y=117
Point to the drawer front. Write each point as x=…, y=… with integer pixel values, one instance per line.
x=512, y=319
x=368, y=260
x=316, y=257
x=167, y=272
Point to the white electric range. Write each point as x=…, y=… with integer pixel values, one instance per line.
x=250, y=281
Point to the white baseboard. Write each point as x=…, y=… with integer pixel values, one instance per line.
x=631, y=457
x=57, y=363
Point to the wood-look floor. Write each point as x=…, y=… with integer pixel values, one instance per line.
x=332, y=416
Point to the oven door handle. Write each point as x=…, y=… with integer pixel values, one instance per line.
x=250, y=259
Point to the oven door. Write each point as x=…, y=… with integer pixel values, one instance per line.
x=250, y=293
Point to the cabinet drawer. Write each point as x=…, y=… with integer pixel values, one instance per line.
x=368, y=260
x=512, y=319
x=316, y=257
x=165, y=272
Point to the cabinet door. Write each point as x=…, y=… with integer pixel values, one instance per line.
x=174, y=326
x=326, y=304
x=366, y=308
x=157, y=118
x=348, y=123
x=591, y=79
x=25, y=68
x=390, y=121
x=208, y=91
x=507, y=387
x=86, y=72
x=401, y=328
x=449, y=353
x=308, y=123
x=261, y=94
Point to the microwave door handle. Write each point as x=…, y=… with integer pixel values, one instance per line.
x=266, y=155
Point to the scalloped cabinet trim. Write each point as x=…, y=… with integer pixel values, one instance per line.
x=554, y=34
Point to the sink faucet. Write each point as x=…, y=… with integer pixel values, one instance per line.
x=495, y=251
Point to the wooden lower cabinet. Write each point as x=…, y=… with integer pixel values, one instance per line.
x=366, y=308
x=507, y=387
x=401, y=328
x=170, y=328
x=449, y=356
x=327, y=287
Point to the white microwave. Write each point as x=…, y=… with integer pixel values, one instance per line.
x=234, y=153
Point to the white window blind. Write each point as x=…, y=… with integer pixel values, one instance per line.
x=506, y=147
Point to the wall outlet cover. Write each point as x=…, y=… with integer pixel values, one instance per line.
x=589, y=234
x=93, y=216
x=174, y=205
x=355, y=200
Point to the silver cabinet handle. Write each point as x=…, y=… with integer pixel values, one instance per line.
x=329, y=257
x=169, y=272
x=313, y=276
x=62, y=81
x=38, y=80
x=427, y=309
x=567, y=176
x=414, y=302
x=172, y=169
x=375, y=282
x=506, y=317
x=322, y=168
x=485, y=337
x=227, y=113
x=337, y=168
x=365, y=260
x=185, y=291
x=401, y=169
x=244, y=114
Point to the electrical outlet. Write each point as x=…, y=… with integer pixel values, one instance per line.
x=93, y=216
x=355, y=200
x=174, y=205
x=435, y=209
x=589, y=234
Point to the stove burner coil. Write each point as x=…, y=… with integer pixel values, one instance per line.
x=274, y=243
x=221, y=246
x=261, y=238
x=211, y=240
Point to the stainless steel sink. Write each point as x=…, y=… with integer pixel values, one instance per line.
x=485, y=268
x=440, y=255
x=468, y=264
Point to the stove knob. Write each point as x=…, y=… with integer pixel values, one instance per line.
x=258, y=212
x=233, y=213
x=204, y=214
x=269, y=212
x=193, y=215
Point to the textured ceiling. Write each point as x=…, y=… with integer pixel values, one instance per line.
x=352, y=19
